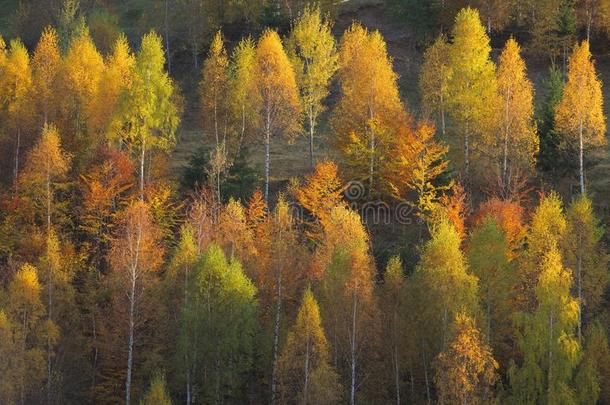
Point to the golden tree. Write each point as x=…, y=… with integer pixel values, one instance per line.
x=213, y=89
x=46, y=166
x=472, y=85
x=279, y=95
x=304, y=369
x=244, y=97
x=46, y=64
x=519, y=142
x=433, y=79
x=16, y=88
x=579, y=115
x=466, y=370
x=369, y=110
x=135, y=256
x=314, y=52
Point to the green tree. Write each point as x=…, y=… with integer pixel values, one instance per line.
x=218, y=328
x=546, y=338
x=586, y=257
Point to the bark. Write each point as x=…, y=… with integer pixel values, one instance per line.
x=16, y=174
x=581, y=158
x=142, y=159
x=312, y=124
x=579, y=281
x=353, y=349
x=166, y=26
x=306, y=382
x=267, y=154
x=276, y=336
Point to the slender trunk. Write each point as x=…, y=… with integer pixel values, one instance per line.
x=276, y=335
x=16, y=174
x=142, y=159
x=443, y=125
x=506, y=132
x=396, y=374
x=243, y=130
x=306, y=382
x=216, y=118
x=132, y=309
x=549, y=374
x=267, y=154
x=166, y=26
x=130, y=344
x=423, y=353
x=312, y=124
x=372, y=151
x=94, y=333
x=50, y=316
x=589, y=23
x=581, y=159
x=467, y=156
x=353, y=348
x=579, y=280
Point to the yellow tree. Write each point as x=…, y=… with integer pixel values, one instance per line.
x=213, y=89
x=150, y=112
x=46, y=166
x=135, y=256
x=369, y=110
x=304, y=369
x=472, y=85
x=116, y=81
x=348, y=303
x=82, y=69
x=466, y=370
x=46, y=65
x=244, y=97
x=157, y=392
x=26, y=312
x=279, y=95
x=418, y=161
x=314, y=52
x=17, y=83
x=519, y=142
x=580, y=113
x=433, y=79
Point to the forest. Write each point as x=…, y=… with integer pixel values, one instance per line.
x=312, y=202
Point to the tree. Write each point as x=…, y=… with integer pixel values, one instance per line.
x=586, y=257
x=46, y=64
x=213, y=89
x=83, y=67
x=392, y=304
x=46, y=167
x=25, y=311
x=550, y=351
x=242, y=83
x=489, y=256
x=321, y=193
x=549, y=158
x=17, y=83
x=117, y=78
x=151, y=115
x=369, y=110
x=472, y=86
x=304, y=369
x=466, y=370
x=519, y=142
x=547, y=228
x=135, y=256
x=580, y=114
x=276, y=83
x=419, y=161
x=157, y=392
x=433, y=79
x=315, y=58
x=218, y=328
x=446, y=286
x=349, y=308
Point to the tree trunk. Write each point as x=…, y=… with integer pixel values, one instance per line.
x=276, y=336
x=581, y=159
x=423, y=353
x=579, y=280
x=16, y=174
x=306, y=382
x=267, y=155
x=312, y=125
x=467, y=157
x=130, y=344
x=142, y=160
x=166, y=26
x=353, y=349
